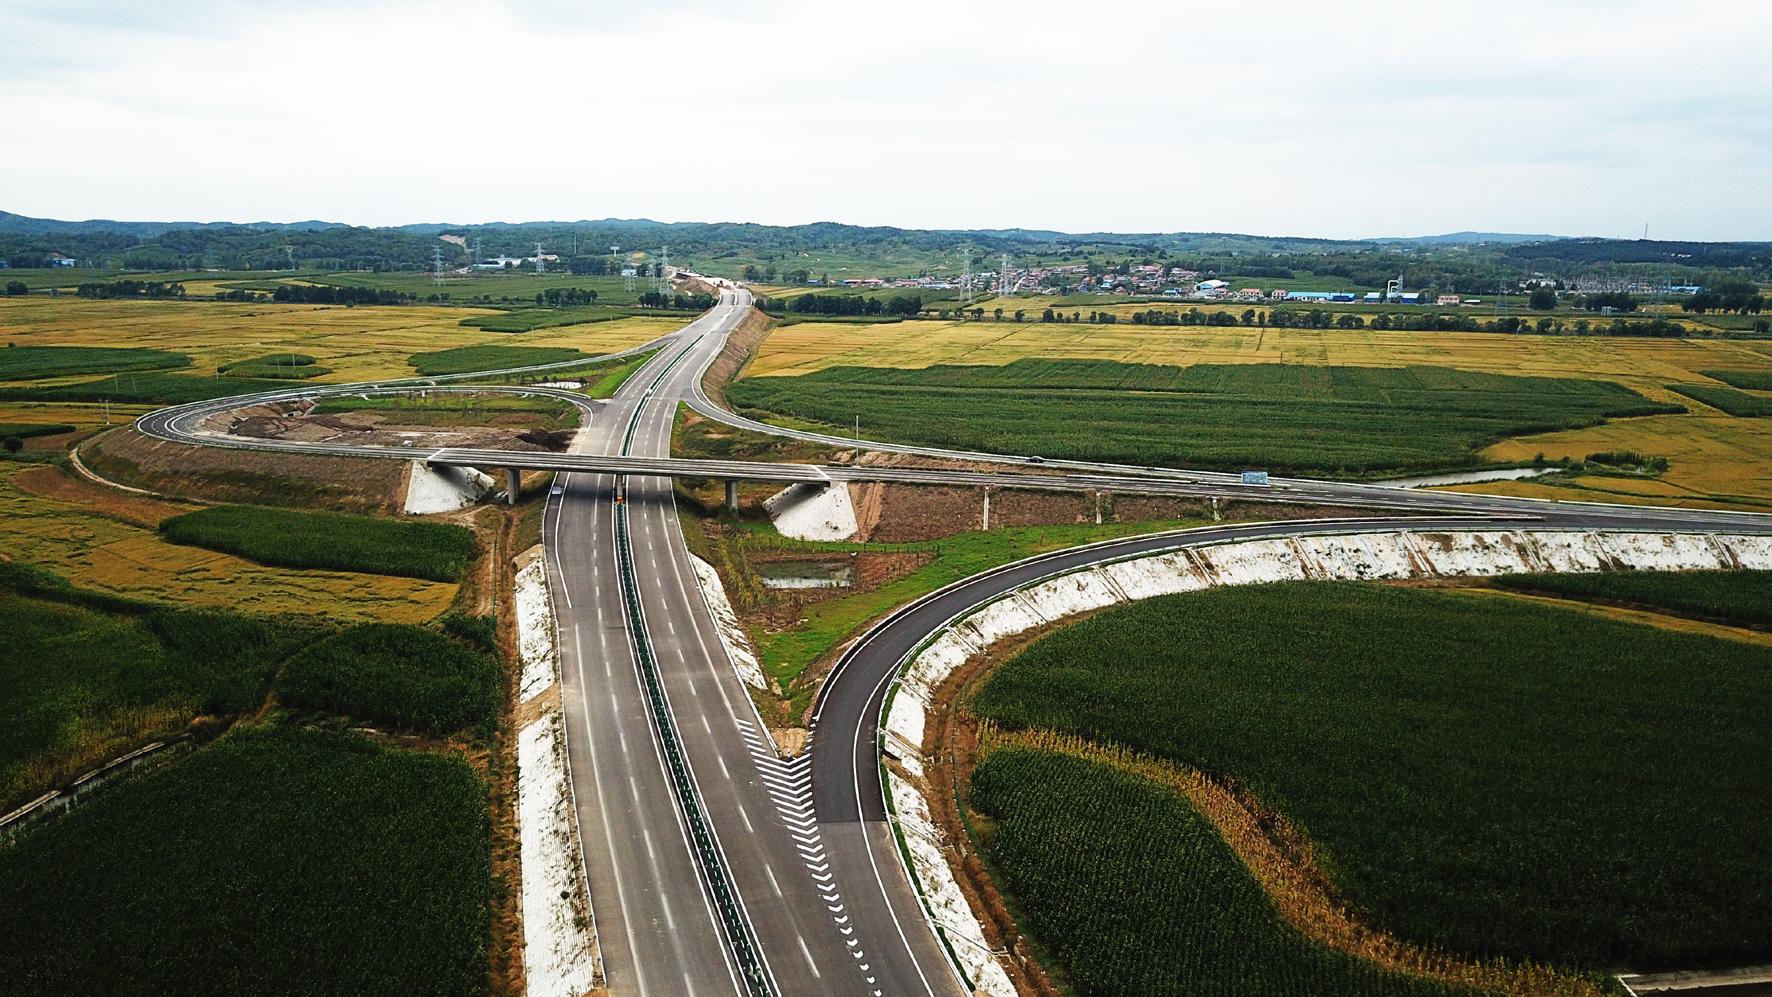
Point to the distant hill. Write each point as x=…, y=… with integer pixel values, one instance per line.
x=1467, y=258
x=15, y=224
x=1467, y=239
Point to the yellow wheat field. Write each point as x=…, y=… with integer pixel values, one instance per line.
x=97, y=552
x=356, y=343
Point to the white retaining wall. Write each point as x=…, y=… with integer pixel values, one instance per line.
x=560, y=955
x=738, y=643
x=1355, y=556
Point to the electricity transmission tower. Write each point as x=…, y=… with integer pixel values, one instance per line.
x=437, y=265
x=541, y=265
x=966, y=276
x=1004, y=287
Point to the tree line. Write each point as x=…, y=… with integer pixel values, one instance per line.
x=902, y=305
x=325, y=294
x=566, y=297
x=681, y=302
x=131, y=289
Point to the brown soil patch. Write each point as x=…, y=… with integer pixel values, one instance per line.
x=790, y=741
x=501, y=766
x=379, y=429
x=137, y=510
x=215, y=474
x=740, y=347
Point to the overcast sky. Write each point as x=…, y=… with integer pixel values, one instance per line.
x=1301, y=118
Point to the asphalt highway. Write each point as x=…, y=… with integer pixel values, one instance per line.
x=822, y=903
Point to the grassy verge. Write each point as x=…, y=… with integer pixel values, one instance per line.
x=276, y=861
x=327, y=540
x=614, y=376
x=459, y=409
x=786, y=653
x=410, y=678
x=1494, y=778
x=1287, y=417
x=1743, y=598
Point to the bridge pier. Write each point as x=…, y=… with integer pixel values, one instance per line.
x=1098, y=508
x=513, y=484
x=731, y=495
x=987, y=508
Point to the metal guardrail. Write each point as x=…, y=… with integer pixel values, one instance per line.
x=707, y=851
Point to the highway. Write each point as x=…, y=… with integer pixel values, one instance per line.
x=661, y=933
x=714, y=865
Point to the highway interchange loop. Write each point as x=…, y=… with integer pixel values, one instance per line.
x=714, y=864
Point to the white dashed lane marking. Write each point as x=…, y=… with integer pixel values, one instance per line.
x=789, y=784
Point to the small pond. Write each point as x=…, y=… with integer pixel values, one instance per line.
x=807, y=574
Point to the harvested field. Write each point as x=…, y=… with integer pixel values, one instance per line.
x=356, y=343
x=103, y=548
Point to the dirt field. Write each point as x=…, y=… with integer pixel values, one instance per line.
x=355, y=343
x=177, y=469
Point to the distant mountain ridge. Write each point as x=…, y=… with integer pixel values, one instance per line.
x=17, y=224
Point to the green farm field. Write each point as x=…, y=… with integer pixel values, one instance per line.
x=1715, y=459
x=1135, y=894
x=22, y=363
x=1492, y=778
x=1730, y=400
x=1285, y=417
x=411, y=678
x=275, y=861
x=1741, y=598
x=330, y=541
x=88, y=674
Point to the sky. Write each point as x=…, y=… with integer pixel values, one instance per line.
x=1342, y=120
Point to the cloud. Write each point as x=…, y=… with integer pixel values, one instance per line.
x=1345, y=120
